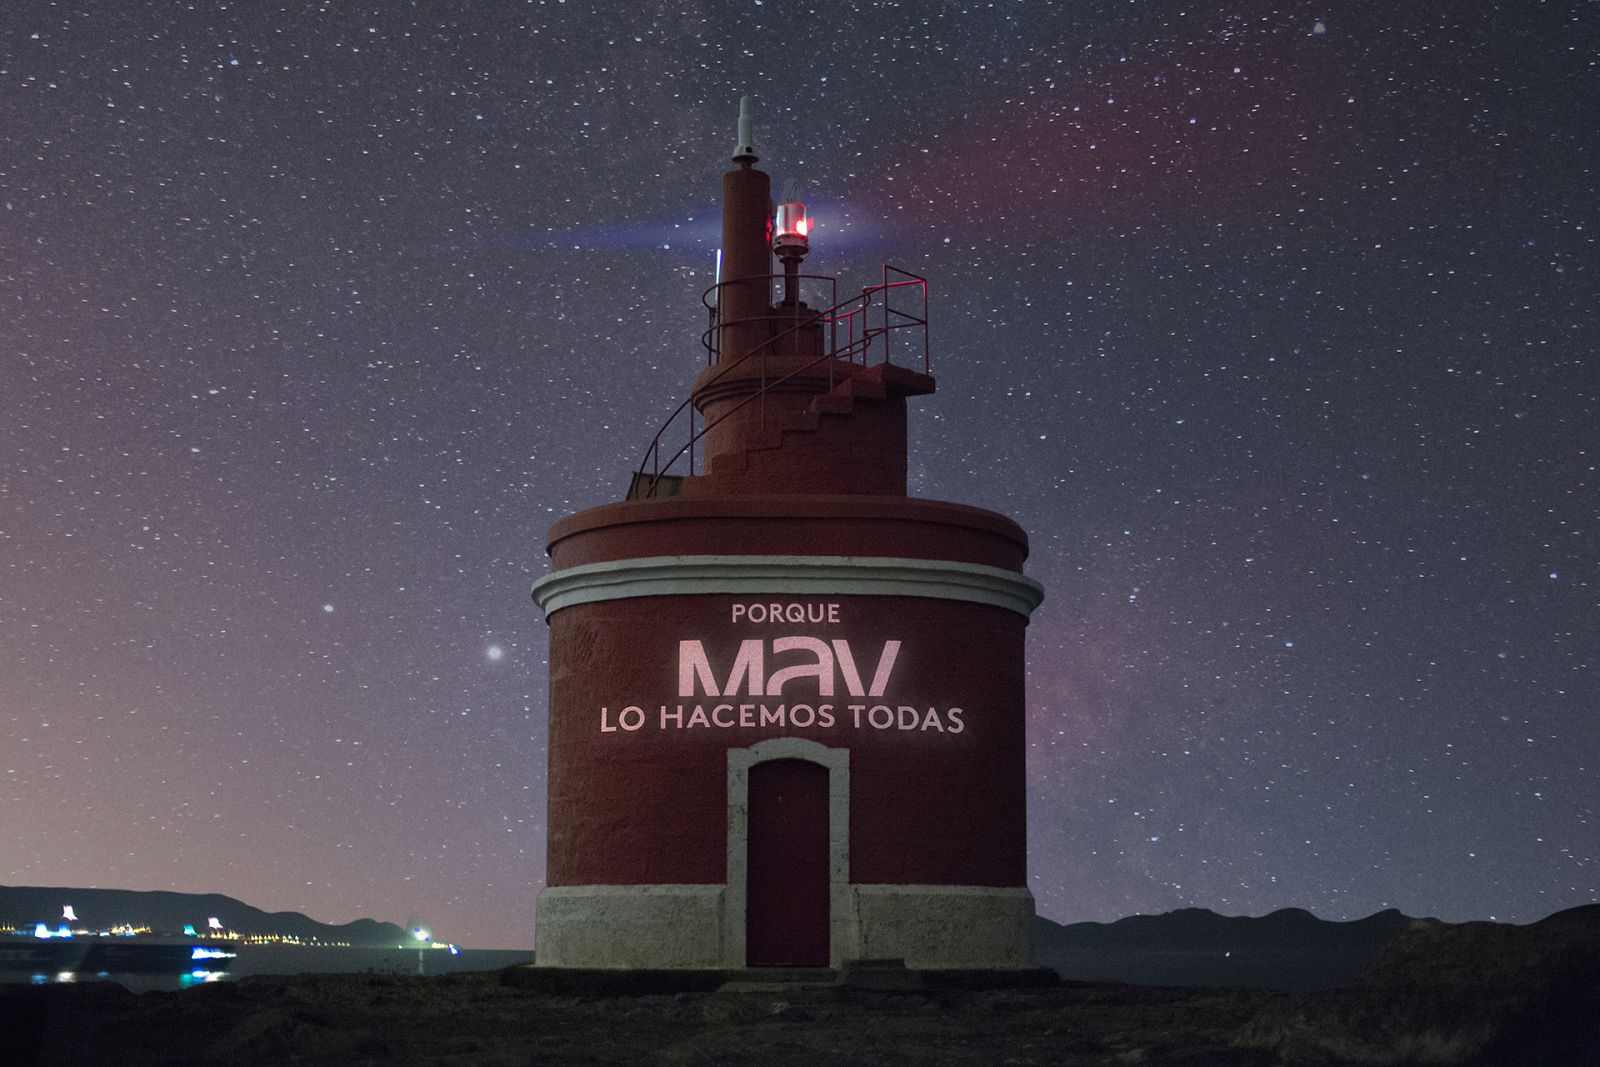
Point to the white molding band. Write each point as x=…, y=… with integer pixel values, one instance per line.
x=654, y=576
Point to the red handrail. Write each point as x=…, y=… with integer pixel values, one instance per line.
x=835, y=315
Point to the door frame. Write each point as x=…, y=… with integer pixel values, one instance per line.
x=841, y=916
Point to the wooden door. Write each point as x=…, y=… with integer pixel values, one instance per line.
x=786, y=901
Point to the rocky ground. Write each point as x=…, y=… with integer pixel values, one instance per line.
x=1441, y=995
x=484, y=1019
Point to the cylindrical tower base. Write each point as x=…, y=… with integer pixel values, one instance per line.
x=807, y=741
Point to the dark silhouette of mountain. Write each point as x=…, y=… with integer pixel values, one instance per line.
x=168, y=913
x=1485, y=954
x=1288, y=949
x=1446, y=994
x=1478, y=994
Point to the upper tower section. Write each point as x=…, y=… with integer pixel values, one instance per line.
x=798, y=398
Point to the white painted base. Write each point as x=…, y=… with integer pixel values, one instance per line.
x=685, y=926
x=945, y=926
x=630, y=926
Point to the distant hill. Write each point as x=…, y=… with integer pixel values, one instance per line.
x=168, y=913
x=1293, y=949
x=1289, y=949
x=1487, y=954
x=1480, y=993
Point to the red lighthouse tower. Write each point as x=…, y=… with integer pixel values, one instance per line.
x=786, y=699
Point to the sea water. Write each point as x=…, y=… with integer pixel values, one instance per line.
x=290, y=959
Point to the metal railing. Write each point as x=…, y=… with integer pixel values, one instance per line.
x=851, y=317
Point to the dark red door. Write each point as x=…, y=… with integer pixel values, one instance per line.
x=786, y=899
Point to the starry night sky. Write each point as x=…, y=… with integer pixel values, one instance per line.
x=1274, y=326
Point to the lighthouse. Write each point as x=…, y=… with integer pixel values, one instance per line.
x=787, y=713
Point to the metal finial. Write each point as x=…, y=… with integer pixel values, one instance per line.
x=745, y=152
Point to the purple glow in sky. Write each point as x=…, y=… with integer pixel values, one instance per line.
x=1274, y=326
